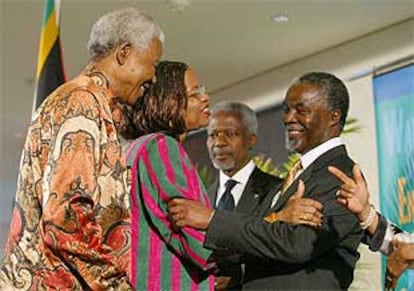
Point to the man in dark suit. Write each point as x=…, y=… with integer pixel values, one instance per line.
x=281, y=255
x=232, y=133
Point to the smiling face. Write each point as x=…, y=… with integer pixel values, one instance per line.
x=228, y=142
x=138, y=68
x=308, y=120
x=198, y=110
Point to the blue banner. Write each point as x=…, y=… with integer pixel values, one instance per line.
x=394, y=109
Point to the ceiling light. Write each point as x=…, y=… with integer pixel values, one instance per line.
x=280, y=18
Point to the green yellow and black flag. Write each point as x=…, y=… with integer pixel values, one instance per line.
x=50, y=72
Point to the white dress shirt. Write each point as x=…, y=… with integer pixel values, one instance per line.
x=241, y=177
x=311, y=156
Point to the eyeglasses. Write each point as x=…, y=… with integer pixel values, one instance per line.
x=197, y=92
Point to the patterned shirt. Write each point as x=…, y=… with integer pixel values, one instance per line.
x=70, y=227
x=163, y=258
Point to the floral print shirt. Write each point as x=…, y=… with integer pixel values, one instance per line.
x=70, y=227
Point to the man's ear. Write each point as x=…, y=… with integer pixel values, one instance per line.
x=122, y=53
x=252, y=141
x=335, y=117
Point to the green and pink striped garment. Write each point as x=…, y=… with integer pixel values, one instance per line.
x=161, y=258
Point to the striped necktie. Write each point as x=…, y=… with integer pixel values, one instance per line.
x=290, y=177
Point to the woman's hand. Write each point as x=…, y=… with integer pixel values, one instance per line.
x=299, y=210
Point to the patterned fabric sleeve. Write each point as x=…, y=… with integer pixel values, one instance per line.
x=71, y=191
x=165, y=171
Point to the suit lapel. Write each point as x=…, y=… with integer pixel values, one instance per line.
x=323, y=161
x=257, y=191
x=212, y=192
x=265, y=208
x=254, y=192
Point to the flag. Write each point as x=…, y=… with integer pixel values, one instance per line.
x=50, y=72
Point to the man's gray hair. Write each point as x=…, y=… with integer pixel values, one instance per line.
x=246, y=115
x=117, y=27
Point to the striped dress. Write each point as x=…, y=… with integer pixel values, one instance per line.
x=161, y=258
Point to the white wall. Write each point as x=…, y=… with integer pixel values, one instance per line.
x=349, y=61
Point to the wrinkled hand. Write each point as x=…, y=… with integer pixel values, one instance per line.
x=397, y=262
x=185, y=212
x=299, y=210
x=353, y=193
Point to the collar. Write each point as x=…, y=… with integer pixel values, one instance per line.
x=242, y=176
x=316, y=152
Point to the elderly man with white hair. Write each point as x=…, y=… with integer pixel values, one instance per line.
x=70, y=227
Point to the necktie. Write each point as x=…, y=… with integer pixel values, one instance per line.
x=227, y=201
x=290, y=177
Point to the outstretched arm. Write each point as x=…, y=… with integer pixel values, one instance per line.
x=297, y=211
x=281, y=242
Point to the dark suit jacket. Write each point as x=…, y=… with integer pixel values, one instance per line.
x=258, y=186
x=282, y=256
